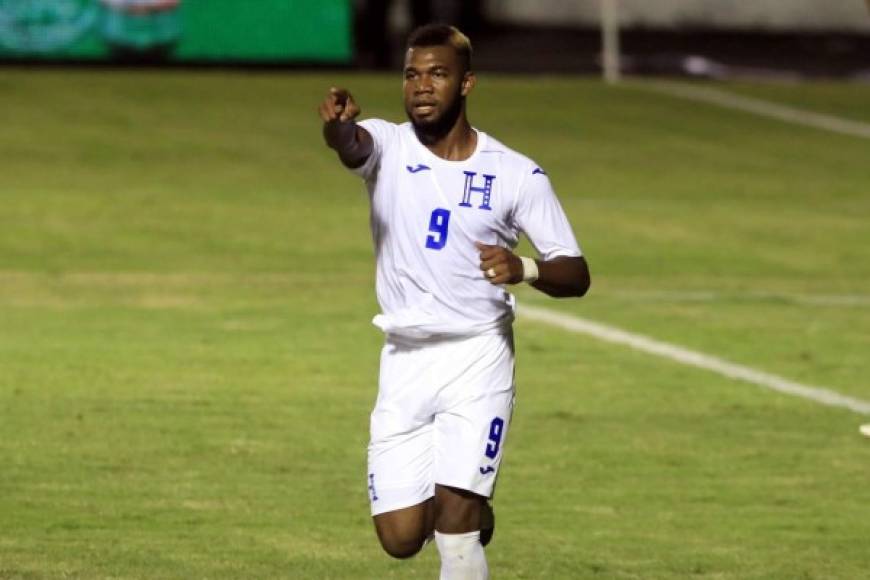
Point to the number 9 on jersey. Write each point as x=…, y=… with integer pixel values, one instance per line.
x=438, y=224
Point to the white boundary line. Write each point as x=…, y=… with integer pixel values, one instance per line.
x=688, y=357
x=848, y=300
x=759, y=107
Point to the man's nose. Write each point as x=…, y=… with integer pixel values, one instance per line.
x=424, y=85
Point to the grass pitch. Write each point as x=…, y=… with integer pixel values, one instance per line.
x=187, y=364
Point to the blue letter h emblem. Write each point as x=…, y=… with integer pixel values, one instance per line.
x=486, y=190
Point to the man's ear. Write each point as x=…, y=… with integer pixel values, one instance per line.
x=468, y=82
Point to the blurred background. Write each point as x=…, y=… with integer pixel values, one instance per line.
x=707, y=38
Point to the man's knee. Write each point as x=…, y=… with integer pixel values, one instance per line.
x=403, y=533
x=401, y=548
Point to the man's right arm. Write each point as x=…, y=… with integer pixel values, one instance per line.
x=353, y=144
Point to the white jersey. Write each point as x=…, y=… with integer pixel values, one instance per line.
x=426, y=215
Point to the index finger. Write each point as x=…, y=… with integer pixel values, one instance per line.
x=339, y=96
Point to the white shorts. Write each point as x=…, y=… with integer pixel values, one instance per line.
x=442, y=416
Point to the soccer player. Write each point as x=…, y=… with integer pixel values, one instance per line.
x=448, y=203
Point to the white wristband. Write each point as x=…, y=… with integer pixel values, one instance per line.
x=530, y=269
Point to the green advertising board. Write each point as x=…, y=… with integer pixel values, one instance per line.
x=177, y=30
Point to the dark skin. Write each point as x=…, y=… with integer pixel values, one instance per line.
x=435, y=88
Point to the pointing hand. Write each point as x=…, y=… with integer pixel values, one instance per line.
x=338, y=106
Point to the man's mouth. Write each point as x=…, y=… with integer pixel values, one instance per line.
x=424, y=108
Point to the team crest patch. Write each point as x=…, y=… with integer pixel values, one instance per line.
x=485, y=190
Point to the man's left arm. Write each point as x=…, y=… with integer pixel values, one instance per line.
x=559, y=277
x=560, y=270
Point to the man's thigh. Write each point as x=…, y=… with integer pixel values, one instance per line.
x=471, y=427
x=400, y=451
x=442, y=416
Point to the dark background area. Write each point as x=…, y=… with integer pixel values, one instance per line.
x=569, y=49
x=377, y=44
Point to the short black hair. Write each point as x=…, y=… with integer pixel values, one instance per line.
x=443, y=35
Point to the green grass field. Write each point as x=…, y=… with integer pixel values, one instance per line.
x=187, y=362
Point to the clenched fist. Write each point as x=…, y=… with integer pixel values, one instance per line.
x=499, y=265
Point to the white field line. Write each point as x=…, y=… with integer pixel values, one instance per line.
x=688, y=357
x=846, y=300
x=760, y=107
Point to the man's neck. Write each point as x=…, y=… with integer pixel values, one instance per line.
x=457, y=144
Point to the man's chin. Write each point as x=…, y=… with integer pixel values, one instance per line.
x=424, y=122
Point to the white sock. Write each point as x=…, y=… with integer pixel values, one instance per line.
x=462, y=556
